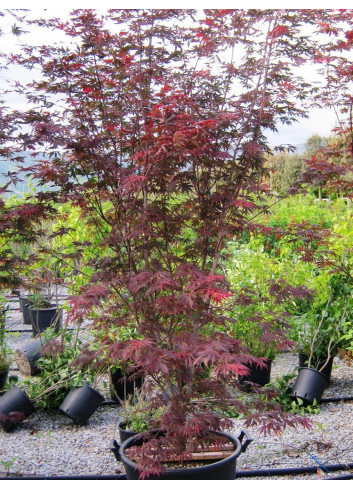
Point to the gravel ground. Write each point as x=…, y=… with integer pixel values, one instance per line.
x=49, y=444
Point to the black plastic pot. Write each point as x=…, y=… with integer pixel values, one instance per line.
x=309, y=385
x=2, y=321
x=258, y=375
x=3, y=377
x=24, y=305
x=81, y=403
x=15, y=406
x=121, y=386
x=327, y=370
x=26, y=359
x=42, y=319
x=125, y=433
x=221, y=470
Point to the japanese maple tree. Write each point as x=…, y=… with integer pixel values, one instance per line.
x=153, y=123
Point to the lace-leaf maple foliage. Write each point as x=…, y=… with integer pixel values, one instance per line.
x=153, y=123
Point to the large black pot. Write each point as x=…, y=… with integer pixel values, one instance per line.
x=24, y=305
x=15, y=406
x=121, y=387
x=81, y=403
x=309, y=385
x=42, y=319
x=327, y=370
x=258, y=375
x=221, y=470
x=27, y=358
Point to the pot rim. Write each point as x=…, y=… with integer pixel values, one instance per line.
x=122, y=426
x=314, y=370
x=90, y=387
x=189, y=470
x=52, y=308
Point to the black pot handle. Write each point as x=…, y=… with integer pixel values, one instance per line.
x=114, y=447
x=247, y=442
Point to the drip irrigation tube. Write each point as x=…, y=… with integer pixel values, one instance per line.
x=239, y=474
x=336, y=399
x=64, y=477
x=341, y=477
x=30, y=330
x=290, y=470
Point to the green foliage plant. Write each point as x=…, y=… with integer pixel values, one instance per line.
x=267, y=291
x=58, y=372
x=283, y=388
x=322, y=331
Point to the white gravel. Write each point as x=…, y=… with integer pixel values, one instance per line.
x=49, y=444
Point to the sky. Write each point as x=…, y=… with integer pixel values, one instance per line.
x=320, y=121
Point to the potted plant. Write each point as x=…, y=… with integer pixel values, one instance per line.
x=43, y=313
x=320, y=333
x=169, y=167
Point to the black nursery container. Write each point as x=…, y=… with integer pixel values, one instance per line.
x=15, y=406
x=81, y=403
x=3, y=377
x=121, y=387
x=258, y=375
x=125, y=433
x=327, y=370
x=215, y=470
x=24, y=307
x=26, y=358
x=309, y=385
x=2, y=321
x=42, y=319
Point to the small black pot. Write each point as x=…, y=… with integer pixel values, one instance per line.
x=24, y=305
x=258, y=375
x=3, y=377
x=221, y=470
x=327, y=370
x=81, y=403
x=125, y=433
x=15, y=406
x=121, y=386
x=42, y=319
x=26, y=359
x=309, y=385
x=2, y=321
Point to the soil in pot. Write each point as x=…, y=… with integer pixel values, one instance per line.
x=210, y=469
x=309, y=385
x=26, y=358
x=42, y=319
x=15, y=406
x=81, y=403
x=327, y=370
